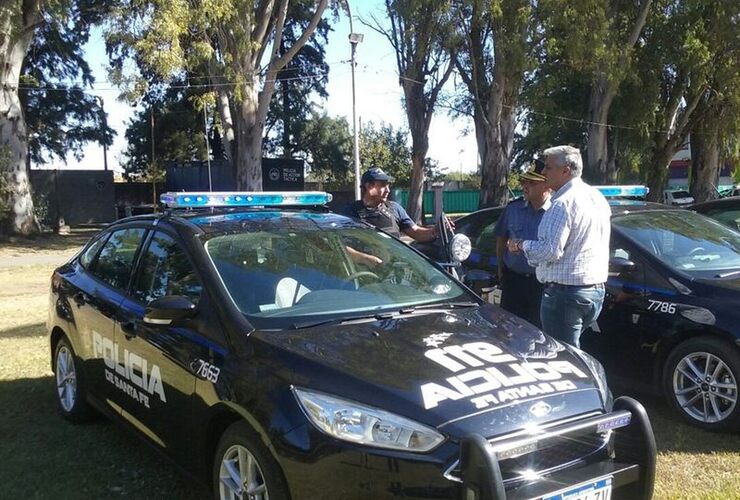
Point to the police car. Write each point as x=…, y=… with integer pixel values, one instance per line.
x=247, y=337
x=670, y=321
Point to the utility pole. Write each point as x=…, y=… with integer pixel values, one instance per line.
x=152, y=167
x=105, y=127
x=354, y=39
x=208, y=149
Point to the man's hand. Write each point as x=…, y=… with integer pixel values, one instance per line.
x=514, y=246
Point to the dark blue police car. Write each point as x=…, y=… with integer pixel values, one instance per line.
x=671, y=321
x=244, y=336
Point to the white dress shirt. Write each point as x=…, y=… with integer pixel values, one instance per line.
x=572, y=245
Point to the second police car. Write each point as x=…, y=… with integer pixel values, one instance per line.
x=670, y=321
x=238, y=335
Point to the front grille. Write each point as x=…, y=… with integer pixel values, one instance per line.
x=550, y=456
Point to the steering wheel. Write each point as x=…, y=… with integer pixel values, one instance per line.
x=697, y=249
x=361, y=274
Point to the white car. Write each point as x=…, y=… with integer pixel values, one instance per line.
x=678, y=197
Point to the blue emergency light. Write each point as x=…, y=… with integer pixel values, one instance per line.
x=623, y=191
x=244, y=199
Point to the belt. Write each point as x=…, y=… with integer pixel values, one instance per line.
x=526, y=275
x=553, y=284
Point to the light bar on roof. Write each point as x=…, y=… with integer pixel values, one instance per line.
x=623, y=191
x=244, y=199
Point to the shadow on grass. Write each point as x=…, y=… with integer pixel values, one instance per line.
x=673, y=434
x=77, y=237
x=25, y=331
x=44, y=456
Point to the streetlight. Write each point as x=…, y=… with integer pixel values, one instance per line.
x=354, y=39
x=105, y=128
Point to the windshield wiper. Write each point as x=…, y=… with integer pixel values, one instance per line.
x=444, y=305
x=726, y=275
x=339, y=321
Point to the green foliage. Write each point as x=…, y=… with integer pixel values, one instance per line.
x=62, y=121
x=387, y=148
x=326, y=145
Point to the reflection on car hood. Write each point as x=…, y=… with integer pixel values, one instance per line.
x=476, y=369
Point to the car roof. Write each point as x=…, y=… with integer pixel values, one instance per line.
x=719, y=203
x=618, y=206
x=230, y=220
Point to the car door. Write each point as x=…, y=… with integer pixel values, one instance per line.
x=162, y=361
x=97, y=290
x=479, y=228
x=616, y=337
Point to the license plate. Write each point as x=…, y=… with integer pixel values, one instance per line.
x=600, y=489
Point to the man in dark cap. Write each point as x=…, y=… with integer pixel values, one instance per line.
x=374, y=208
x=521, y=293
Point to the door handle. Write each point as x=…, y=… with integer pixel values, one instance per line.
x=130, y=329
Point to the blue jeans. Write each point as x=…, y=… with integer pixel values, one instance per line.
x=567, y=310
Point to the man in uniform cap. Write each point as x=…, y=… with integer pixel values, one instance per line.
x=521, y=293
x=374, y=208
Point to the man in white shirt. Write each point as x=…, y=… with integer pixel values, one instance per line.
x=571, y=252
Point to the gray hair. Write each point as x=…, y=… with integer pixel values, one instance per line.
x=567, y=156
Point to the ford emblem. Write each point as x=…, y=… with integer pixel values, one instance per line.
x=540, y=409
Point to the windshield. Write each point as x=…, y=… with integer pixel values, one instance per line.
x=681, y=194
x=283, y=278
x=684, y=240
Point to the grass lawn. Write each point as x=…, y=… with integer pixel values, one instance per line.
x=46, y=457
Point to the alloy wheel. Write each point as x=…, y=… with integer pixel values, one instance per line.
x=705, y=387
x=66, y=379
x=240, y=476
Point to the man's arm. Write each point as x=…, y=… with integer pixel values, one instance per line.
x=552, y=234
x=421, y=234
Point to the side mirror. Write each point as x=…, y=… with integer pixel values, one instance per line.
x=478, y=280
x=165, y=310
x=620, y=265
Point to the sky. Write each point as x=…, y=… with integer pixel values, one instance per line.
x=378, y=95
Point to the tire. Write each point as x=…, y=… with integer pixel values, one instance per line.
x=70, y=385
x=233, y=469
x=701, y=380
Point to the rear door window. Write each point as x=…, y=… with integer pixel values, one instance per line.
x=116, y=259
x=166, y=270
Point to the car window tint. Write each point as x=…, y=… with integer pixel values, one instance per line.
x=683, y=240
x=166, y=270
x=117, y=257
x=729, y=218
x=88, y=255
x=486, y=240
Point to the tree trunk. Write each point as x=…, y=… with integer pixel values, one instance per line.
x=597, y=154
x=657, y=173
x=14, y=43
x=705, y=162
x=248, y=158
x=419, y=121
x=499, y=126
x=227, y=125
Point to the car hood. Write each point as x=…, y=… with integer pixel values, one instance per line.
x=461, y=370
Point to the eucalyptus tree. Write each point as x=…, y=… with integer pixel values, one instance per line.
x=690, y=64
x=496, y=40
x=596, y=38
x=60, y=122
x=243, y=44
x=419, y=32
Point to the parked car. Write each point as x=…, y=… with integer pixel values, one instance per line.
x=724, y=210
x=252, y=347
x=670, y=322
x=678, y=197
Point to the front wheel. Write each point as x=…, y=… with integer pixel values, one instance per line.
x=244, y=468
x=70, y=385
x=701, y=380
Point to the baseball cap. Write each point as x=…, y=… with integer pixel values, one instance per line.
x=534, y=173
x=375, y=174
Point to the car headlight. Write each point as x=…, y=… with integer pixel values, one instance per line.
x=460, y=247
x=357, y=423
x=597, y=370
